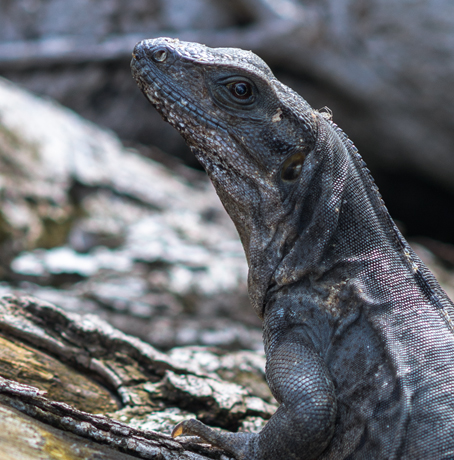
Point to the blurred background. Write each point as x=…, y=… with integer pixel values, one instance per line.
x=385, y=69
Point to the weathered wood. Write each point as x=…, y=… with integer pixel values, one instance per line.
x=26, y=365
x=81, y=388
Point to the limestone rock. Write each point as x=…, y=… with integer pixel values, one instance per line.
x=96, y=227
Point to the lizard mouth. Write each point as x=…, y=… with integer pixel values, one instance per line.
x=181, y=113
x=168, y=103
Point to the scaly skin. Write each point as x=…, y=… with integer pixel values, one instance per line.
x=358, y=334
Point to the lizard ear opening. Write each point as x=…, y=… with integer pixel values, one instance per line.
x=292, y=167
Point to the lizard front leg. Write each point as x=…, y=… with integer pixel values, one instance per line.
x=304, y=423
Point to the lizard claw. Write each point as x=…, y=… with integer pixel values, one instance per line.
x=178, y=429
x=191, y=427
x=195, y=427
x=234, y=443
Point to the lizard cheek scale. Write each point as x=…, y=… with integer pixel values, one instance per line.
x=358, y=333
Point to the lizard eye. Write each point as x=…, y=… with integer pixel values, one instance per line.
x=235, y=92
x=292, y=167
x=240, y=89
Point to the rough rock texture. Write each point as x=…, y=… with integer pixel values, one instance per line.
x=383, y=67
x=94, y=227
x=110, y=395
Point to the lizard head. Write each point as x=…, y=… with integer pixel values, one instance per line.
x=256, y=139
x=226, y=96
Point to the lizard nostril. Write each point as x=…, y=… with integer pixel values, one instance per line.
x=159, y=55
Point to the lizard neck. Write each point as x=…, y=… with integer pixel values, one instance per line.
x=339, y=221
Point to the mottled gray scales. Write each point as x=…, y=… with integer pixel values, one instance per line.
x=358, y=333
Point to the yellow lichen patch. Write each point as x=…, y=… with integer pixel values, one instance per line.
x=26, y=365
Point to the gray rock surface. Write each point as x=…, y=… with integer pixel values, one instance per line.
x=95, y=227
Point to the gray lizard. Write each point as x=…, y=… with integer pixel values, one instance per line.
x=358, y=333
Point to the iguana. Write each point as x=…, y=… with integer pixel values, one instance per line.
x=358, y=333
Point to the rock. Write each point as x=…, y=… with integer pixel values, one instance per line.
x=77, y=367
x=96, y=227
